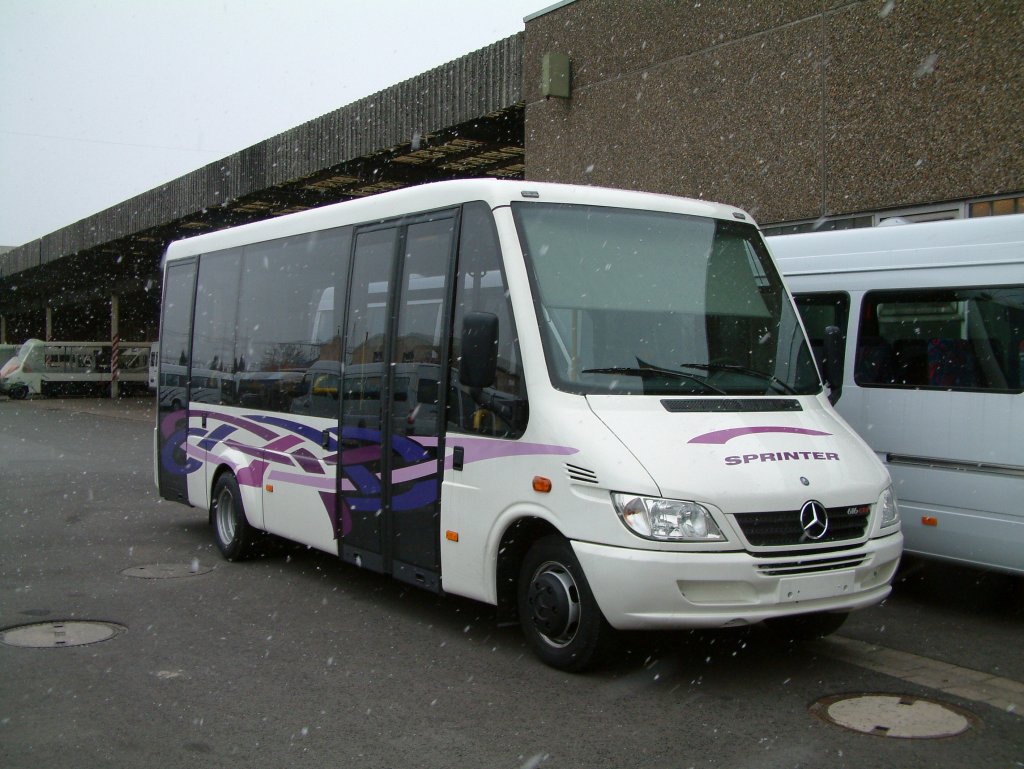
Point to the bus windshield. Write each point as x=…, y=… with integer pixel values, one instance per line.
x=642, y=302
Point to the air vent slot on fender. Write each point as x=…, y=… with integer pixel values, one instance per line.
x=580, y=474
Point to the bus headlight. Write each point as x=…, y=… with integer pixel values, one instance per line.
x=667, y=520
x=890, y=513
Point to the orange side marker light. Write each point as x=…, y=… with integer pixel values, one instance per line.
x=541, y=484
x=929, y=520
x=270, y=487
x=451, y=536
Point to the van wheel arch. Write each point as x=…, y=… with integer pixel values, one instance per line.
x=515, y=544
x=235, y=537
x=213, y=484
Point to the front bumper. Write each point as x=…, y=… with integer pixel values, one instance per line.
x=645, y=589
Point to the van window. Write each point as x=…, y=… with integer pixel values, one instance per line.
x=286, y=315
x=500, y=410
x=213, y=334
x=947, y=339
x=819, y=311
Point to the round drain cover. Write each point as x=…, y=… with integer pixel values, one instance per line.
x=894, y=715
x=58, y=634
x=167, y=570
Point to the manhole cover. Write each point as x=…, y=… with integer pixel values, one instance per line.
x=58, y=634
x=167, y=570
x=894, y=715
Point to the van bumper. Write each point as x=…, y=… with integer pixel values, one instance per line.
x=652, y=589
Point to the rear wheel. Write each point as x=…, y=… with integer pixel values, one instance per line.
x=235, y=537
x=557, y=611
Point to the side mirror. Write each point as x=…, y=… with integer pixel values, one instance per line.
x=835, y=349
x=479, y=364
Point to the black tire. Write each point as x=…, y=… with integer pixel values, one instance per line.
x=807, y=627
x=236, y=538
x=557, y=610
x=19, y=392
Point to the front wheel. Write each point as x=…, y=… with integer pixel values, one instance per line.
x=235, y=537
x=557, y=611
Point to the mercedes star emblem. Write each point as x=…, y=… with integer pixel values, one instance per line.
x=814, y=520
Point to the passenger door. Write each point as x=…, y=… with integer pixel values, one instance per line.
x=396, y=338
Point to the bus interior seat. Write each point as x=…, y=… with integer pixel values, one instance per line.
x=951, y=363
x=910, y=360
x=874, y=361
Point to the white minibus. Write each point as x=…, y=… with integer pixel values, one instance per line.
x=593, y=409
x=931, y=320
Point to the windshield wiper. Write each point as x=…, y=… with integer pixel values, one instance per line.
x=770, y=378
x=653, y=373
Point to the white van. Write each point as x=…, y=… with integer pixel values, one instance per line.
x=932, y=322
x=594, y=409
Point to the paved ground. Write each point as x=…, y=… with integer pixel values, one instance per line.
x=134, y=408
x=296, y=658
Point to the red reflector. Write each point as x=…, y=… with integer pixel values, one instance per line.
x=929, y=520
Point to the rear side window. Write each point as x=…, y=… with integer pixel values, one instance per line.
x=946, y=339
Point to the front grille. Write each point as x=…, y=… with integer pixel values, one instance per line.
x=778, y=529
x=789, y=568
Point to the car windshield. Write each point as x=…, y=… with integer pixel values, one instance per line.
x=642, y=302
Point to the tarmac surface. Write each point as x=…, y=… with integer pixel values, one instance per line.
x=141, y=409
x=296, y=658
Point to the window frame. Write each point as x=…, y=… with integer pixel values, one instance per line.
x=872, y=298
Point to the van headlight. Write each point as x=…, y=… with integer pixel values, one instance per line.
x=667, y=520
x=890, y=512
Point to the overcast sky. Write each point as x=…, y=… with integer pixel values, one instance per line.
x=101, y=100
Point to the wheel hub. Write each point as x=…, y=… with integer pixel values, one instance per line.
x=554, y=605
x=225, y=517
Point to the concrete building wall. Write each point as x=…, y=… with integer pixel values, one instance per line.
x=793, y=109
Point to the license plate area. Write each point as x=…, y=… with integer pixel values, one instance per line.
x=814, y=586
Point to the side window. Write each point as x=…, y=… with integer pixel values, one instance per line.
x=213, y=335
x=948, y=339
x=176, y=322
x=287, y=319
x=502, y=409
x=367, y=327
x=422, y=327
x=819, y=311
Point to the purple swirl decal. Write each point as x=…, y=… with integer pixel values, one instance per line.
x=282, y=450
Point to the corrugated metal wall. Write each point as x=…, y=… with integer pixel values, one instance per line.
x=480, y=83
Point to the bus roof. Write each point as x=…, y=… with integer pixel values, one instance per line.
x=440, y=195
x=956, y=242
